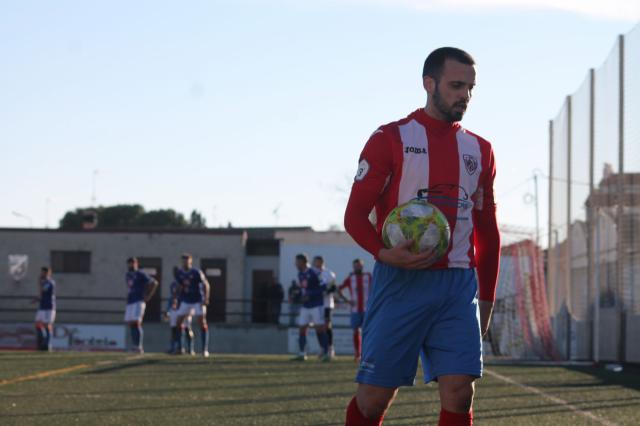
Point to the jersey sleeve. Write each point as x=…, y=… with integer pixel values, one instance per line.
x=487, y=234
x=345, y=283
x=374, y=169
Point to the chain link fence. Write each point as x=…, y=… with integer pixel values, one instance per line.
x=594, y=212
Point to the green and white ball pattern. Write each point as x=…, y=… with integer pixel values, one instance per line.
x=420, y=221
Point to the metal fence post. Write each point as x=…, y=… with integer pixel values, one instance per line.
x=621, y=201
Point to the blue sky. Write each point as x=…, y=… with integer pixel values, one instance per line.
x=236, y=108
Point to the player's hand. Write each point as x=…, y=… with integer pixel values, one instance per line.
x=401, y=257
x=486, y=308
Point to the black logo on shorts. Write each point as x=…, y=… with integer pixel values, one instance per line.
x=470, y=163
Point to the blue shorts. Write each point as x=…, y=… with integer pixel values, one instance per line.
x=433, y=313
x=357, y=319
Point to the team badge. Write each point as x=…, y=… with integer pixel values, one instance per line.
x=18, y=266
x=363, y=169
x=470, y=163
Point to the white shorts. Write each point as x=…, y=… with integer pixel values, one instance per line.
x=134, y=311
x=173, y=318
x=46, y=316
x=313, y=316
x=189, y=309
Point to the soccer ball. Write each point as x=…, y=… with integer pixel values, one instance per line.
x=420, y=221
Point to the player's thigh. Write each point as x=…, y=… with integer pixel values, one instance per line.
x=52, y=316
x=305, y=317
x=453, y=345
x=173, y=317
x=140, y=309
x=357, y=319
x=129, y=312
x=317, y=316
x=394, y=328
x=186, y=309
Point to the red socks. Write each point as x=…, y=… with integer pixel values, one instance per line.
x=447, y=418
x=355, y=417
x=357, y=342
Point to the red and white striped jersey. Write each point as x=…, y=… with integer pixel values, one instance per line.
x=359, y=286
x=453, y=167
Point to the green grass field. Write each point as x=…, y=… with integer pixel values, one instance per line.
x=120, y=389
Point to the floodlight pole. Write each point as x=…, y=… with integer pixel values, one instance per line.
x=535, y=184
x=93, y=188
x=23, y=216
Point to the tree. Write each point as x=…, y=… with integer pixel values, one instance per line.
x=168, y=218
x=125, y=216
x=197, y=220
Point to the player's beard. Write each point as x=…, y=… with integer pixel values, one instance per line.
x=447, y=111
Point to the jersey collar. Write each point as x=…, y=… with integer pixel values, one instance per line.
x=426, y=120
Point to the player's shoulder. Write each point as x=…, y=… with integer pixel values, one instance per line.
x=389, y=131
x=484, y=143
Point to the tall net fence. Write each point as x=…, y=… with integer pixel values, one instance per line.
x=594, y=212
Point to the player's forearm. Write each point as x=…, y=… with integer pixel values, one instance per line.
x=151, y=289
x=487, y=241
x=357, y=224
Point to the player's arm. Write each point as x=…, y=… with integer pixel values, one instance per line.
x=487, y=246
x=341, y=296
x=207, y=288
x=374, y=169
x=152, y=285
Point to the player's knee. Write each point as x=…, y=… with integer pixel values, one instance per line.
x=373, y=404
x=457, y=396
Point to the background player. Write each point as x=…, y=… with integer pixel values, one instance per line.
x=173, y=303
x=195, y=298
x=418, y=304
x=46, y=314
x=312, y=311
x=141, y=287
x=329, y=278
x=358, y=285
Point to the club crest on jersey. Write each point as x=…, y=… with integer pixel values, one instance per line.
x=470, y=163
x=363, y=169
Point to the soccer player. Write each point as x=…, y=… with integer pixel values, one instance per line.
x=312, y=311
x=419, y=304
x=329, y=278
x=195, y=290
x=141, y=287
x=173, y=303
x=358, y=284
x=46, y=314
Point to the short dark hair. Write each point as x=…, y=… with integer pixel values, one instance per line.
x=302, y=256
x=435, y=61
x=186, y=256
x=358, y=260
x=132, y=259
x=46, y=269
x=318, y=257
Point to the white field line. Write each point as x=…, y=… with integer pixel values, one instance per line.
x=559, y=401
x=59, y=371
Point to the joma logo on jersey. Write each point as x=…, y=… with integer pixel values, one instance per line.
x=414, y=150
